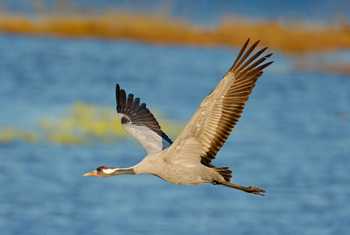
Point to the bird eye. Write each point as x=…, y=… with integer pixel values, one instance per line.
x=100, y=168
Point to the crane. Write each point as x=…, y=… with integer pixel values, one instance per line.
x=188, y=160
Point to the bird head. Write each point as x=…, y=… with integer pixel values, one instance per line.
x=101, y=171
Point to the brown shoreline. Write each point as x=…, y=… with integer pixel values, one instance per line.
x=291, y=38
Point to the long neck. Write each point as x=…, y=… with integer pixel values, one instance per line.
x=123, y=171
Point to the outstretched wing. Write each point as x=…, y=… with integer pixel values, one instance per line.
x=139, y=122
x=220, y=111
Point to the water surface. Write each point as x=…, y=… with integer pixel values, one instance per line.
x=293, y=140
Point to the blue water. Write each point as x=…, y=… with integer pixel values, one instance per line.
x=293, y=140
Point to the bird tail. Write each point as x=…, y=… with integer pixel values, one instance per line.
x=224, y=172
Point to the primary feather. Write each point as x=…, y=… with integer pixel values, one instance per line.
x=139, y=122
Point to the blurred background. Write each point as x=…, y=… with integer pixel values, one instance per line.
x=60, y=61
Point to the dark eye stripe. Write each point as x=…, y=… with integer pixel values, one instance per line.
x=99, y=169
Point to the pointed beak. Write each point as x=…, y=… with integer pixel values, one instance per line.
x=91, y=173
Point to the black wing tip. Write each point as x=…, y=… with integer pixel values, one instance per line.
x=255, y=43
x=246, y=42
x=249, y=60
x=117, y=90
x=244, y=52
x=120, y=97
x=266, y=64
x=131, y=96
x=166, y=138
x=268, y=55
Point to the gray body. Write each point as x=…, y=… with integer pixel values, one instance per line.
x=176, y=172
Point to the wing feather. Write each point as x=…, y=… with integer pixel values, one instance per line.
x=219, y=112
x=140, y=123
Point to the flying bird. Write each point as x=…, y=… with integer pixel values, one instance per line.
x=188, y=160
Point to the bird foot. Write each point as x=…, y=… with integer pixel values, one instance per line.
x=254, y=190
x=248, y=189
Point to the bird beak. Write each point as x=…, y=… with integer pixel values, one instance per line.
x=91, y=173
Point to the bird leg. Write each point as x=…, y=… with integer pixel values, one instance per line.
x=247, y=189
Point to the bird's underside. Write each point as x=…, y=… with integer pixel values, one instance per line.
x=189, y=159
